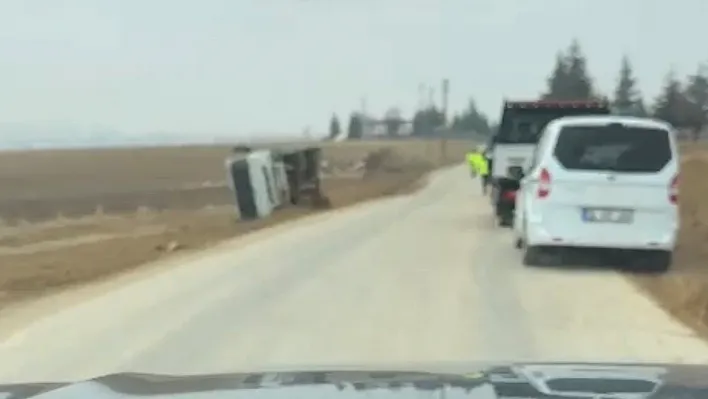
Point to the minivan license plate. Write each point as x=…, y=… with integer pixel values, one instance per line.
x=607, y=215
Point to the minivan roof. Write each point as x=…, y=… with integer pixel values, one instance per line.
x=592, y=120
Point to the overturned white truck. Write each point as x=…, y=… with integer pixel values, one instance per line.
x=268, y=178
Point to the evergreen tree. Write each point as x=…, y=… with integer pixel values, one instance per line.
x=626, y=97
x=579, y=83
x=569, y=79
x=427, y=120
x=356, y=128
x=557, y=82
x=472, y=120
x=670, y=104
x=697, y=96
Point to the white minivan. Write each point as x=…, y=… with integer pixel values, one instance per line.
x=601, y=182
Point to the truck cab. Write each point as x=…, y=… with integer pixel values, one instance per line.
x=511, y=148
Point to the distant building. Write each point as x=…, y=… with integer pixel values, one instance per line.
x=376, y=127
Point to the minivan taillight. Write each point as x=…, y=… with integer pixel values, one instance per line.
x=673, y=190
x=544, y=184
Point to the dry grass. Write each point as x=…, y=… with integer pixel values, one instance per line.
x=43, y=185
x=124, y=243
x=42, y=258
x=79, y=173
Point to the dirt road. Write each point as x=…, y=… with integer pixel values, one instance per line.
x=415, y=279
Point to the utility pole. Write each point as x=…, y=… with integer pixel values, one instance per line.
x=445, y=95
x=443, y=141
x=421, y=96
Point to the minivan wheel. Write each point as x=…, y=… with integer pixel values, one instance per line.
x=658, y=261
x=533, y=256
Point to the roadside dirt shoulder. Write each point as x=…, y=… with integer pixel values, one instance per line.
x=41, y=261
x=683, y=291
x=59, y=264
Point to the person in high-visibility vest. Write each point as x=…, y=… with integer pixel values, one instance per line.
x=472, y=163
x=479, y=167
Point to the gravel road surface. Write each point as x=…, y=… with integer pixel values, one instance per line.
x=420, y=279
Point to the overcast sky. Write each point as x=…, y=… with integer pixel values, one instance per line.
x=246, y=66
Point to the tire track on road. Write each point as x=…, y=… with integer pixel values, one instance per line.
x=503, y=319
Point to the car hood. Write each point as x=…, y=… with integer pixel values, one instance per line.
x=524, y=380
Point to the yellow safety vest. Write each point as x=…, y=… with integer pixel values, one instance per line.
x=471, y=160
x=478, y=163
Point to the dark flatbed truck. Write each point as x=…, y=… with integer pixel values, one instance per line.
x=511, y=148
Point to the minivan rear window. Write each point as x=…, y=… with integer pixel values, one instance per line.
x=613, y=148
